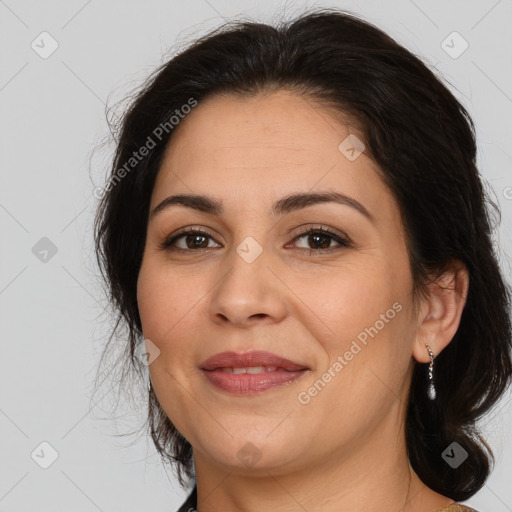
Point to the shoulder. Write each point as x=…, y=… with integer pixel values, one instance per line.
x=456, y=507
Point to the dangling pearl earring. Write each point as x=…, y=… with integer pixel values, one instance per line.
x=431, y=390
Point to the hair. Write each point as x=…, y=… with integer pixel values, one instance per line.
x=423, y=141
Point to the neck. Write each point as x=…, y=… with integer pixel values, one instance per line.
x=372, y=474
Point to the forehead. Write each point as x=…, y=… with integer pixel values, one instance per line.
x=258, y=129
x=263, y=146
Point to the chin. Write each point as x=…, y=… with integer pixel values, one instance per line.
x=252, y=452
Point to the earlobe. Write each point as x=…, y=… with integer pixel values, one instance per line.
x=441, y=311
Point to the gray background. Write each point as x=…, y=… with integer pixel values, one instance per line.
x=52, y=319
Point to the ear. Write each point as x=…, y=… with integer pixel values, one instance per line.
x=441, y=311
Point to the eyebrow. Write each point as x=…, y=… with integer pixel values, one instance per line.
x=283, y=206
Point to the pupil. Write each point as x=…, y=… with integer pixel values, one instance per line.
x=314, y=240
x=195, y=239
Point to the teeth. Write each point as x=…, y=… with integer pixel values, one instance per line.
x=251, y=369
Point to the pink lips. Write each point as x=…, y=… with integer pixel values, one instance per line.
x=282, y=371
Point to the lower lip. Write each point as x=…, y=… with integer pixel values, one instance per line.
x=250, y=383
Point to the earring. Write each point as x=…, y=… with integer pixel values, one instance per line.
x=431, y=390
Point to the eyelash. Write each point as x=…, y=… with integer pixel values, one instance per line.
x=344, y=242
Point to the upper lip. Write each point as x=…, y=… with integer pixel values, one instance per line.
x=247, y=359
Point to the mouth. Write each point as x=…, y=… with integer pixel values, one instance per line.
x=251, y=372
x=254, y=370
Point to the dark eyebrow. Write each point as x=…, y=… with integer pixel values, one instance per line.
x=281, y=207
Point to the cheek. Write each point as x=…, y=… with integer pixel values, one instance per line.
x=351, y=300
x=366, y=312
x=159, y=301
x=169, y=303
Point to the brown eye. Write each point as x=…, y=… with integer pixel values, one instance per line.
x=319, y=240
x=194, y=239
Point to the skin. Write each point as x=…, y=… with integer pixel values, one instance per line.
x=345, y=449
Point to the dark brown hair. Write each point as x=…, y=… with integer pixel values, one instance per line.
x=422, y=139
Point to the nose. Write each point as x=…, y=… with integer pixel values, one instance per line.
x=248, y=293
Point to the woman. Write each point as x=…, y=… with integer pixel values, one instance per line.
x=297, y=238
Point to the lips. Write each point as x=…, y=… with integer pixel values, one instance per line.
x=250, y=359
x=264, y=371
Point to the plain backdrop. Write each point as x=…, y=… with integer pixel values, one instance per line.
x=54, y=88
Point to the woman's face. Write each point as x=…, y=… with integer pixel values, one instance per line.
x=255, y=281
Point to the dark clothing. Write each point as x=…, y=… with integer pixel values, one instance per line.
x=190, y=503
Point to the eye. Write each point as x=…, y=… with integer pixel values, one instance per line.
x=197, y=240
x=194, y=239
x=321, y=238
